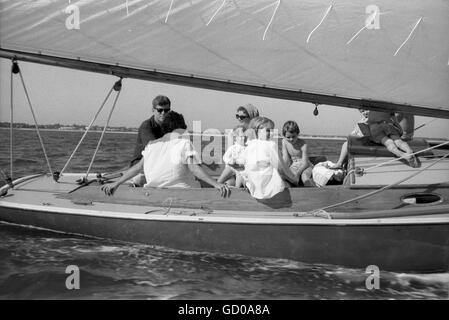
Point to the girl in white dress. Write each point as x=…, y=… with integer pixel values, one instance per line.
x=263, y=163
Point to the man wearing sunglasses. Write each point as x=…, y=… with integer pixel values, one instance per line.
x=151, y=128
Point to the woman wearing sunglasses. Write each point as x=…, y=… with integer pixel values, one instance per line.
x=245, y=114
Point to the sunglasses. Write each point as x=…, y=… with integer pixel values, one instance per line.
x=239, y=117
x=160, y=110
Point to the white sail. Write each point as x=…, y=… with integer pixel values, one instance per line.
x=395, y=51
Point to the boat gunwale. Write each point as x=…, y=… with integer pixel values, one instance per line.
x=29, y=178
x=228, y=216
x=280, y=220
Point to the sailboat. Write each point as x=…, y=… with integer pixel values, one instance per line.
x=392, y=57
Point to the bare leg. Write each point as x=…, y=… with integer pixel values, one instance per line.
x=239, y=182
x=391, y=146
x=402, y=145
x=343, y=156
x=411, y=158
x=306, y=177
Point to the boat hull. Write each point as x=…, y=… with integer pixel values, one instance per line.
x=387, y=233
x=394, y=247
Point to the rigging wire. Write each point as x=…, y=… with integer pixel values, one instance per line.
x=425, y=124
x=14, y=70
x=87, y=130
x=36, y=124
x=117, y=87
x=11, y=129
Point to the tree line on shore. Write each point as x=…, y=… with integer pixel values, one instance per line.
x=58, y=126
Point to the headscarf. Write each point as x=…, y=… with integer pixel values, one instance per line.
x=251, y=110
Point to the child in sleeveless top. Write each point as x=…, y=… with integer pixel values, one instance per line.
x=294, y=153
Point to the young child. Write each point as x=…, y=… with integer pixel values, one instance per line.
x=294, y=153
x=263, y=163
x=233, y=156
x=386, y=131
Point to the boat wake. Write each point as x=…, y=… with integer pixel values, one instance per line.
x=33, y=264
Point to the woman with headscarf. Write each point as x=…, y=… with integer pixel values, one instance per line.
x=244, y=115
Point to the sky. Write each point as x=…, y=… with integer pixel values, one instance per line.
x=68, y=96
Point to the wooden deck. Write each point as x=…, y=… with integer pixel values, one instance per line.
x=293, y=203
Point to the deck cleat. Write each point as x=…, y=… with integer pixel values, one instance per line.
x=81, y=181
x=56, y=176
x=100, y=179
x=359, y=171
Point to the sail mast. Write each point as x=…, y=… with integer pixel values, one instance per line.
x=224, y=85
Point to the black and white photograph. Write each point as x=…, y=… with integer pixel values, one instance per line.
x=222, y=155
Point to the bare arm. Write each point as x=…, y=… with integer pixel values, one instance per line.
x=285, y=155
x=198, y=172
x=287, y=172
x=227, y=157
x=109, y=189
x=305, y=159
x=137, y=155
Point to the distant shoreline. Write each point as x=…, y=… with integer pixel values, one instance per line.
x=63, y=130
x=194, y=134
x=311, y=137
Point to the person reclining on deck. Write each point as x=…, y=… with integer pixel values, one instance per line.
x=263, y=163
x=385, y=130
x=169, y=162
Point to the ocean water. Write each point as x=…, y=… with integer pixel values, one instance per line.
x=33, y=261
